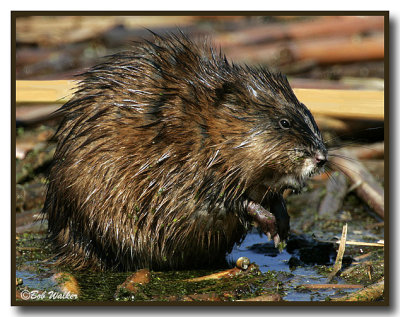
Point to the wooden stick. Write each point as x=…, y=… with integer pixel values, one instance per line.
x=227, y=273
x=35, y=112
x=362, y=256
x=67, y=29
x=336, y=191
x=371, y=151
x=371, y=293
x=263, y=298
x=321, y=50
x=338, y=263
x=224, y=274
x=338, y=50
x=322, y=27
x=375, y=225
x=351, y=104
x=44, y=91
x=365, y=244
x=336, y=286
x=367, y=188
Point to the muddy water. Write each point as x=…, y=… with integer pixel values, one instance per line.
x=276, y=275
x=285, y=272
x=269, y=258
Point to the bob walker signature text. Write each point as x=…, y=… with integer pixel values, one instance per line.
x=47, y=295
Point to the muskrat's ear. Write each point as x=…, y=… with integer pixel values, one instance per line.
x=225, y=88
x=224, y=93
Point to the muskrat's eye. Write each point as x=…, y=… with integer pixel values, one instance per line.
x=284, y=124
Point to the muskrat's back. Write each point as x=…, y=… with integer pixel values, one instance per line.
x=160, y=152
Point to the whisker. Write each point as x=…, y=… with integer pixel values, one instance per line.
x=330, y=177
x=353, y=144
x=344, y=167
x=351, y=159
x=266, y=192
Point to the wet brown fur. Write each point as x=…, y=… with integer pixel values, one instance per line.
x=157, y=154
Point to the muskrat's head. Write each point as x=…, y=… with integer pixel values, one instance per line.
x=279, y=137
x=243, y=124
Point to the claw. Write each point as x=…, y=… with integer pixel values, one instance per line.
x=274, y=225
x=277, y=240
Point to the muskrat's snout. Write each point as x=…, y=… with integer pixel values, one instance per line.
x=321, y=157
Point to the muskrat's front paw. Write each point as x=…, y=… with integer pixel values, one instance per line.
x=265, y=220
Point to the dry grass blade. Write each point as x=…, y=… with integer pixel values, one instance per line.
x=339, y=257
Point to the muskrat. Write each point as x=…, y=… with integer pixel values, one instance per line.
x=168, y=153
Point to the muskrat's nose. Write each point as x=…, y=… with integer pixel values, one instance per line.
x=320, y=158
